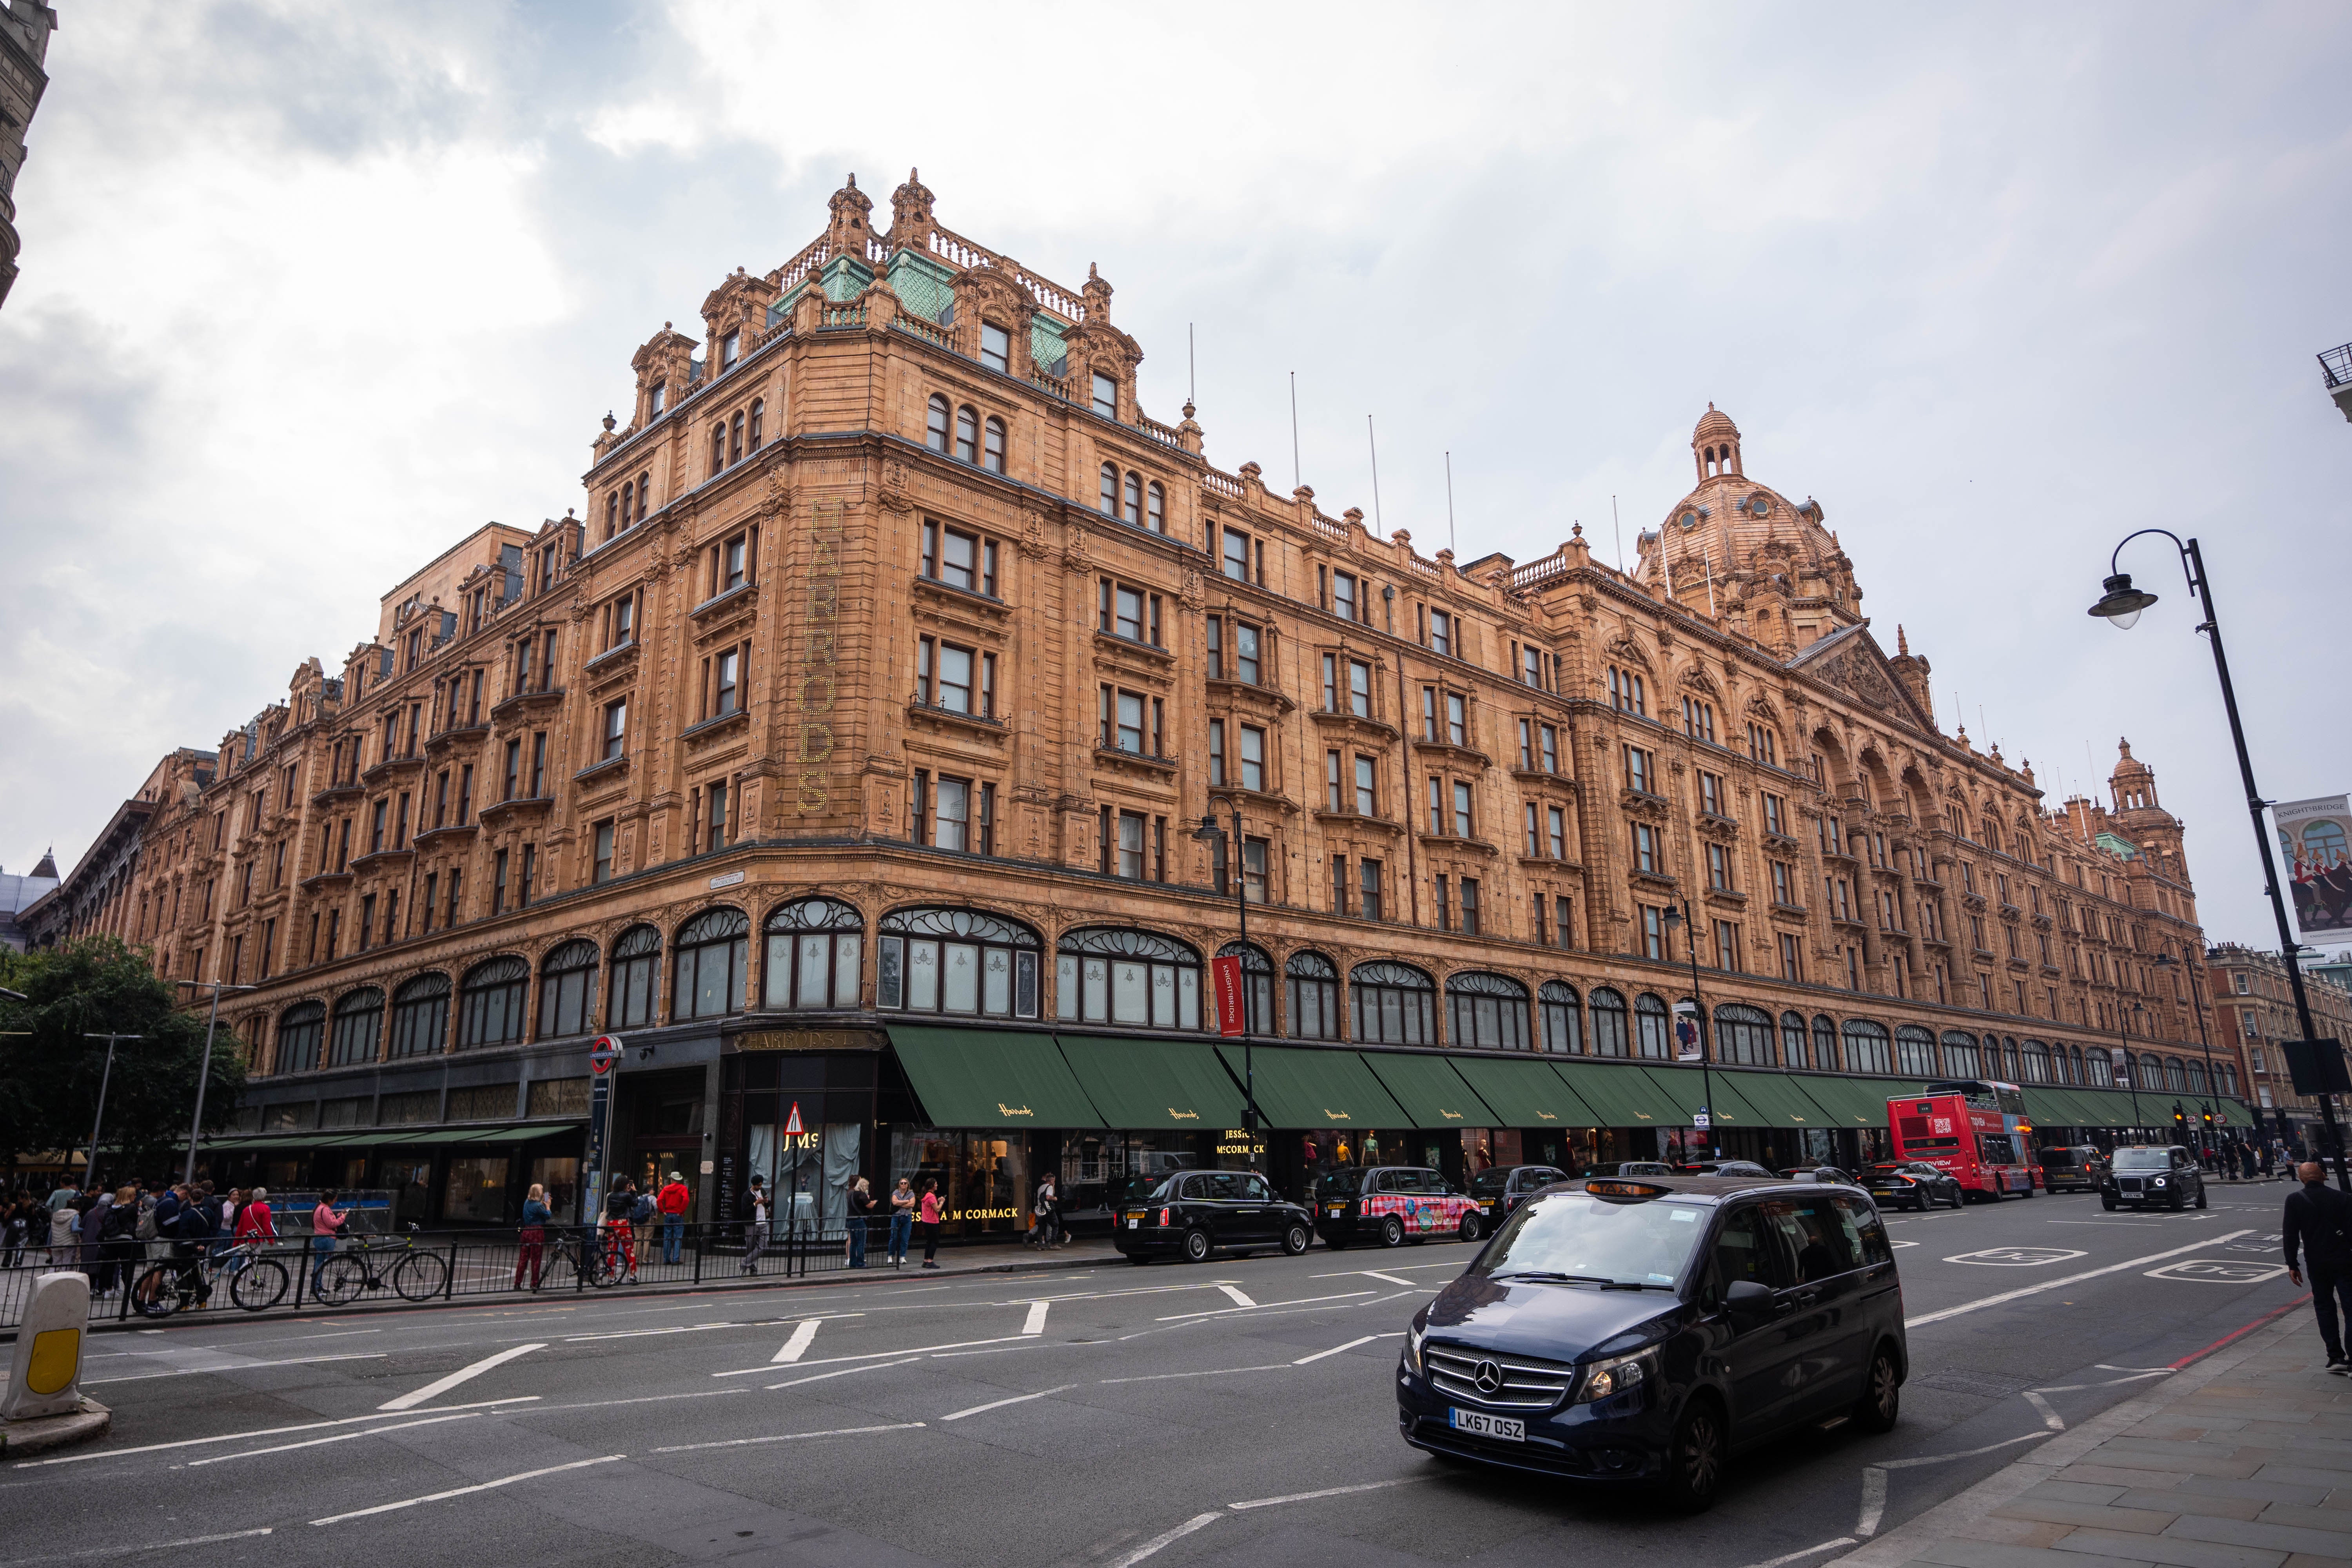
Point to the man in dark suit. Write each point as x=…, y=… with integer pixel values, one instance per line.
x=2316, y=1220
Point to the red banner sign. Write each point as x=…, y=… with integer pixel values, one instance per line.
x=1225, y=973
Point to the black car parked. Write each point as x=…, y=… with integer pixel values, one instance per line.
x=2078, y=1166
x=1913, y=1185
x=2152, y=1174
x=1191, y=1213
x=1642, y=1330
x=1499, y=1188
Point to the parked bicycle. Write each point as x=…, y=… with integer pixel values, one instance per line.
x=586, y=1260
x=256, y=1283
x=415, y=1273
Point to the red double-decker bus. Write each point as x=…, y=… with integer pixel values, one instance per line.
x=1972, y=1129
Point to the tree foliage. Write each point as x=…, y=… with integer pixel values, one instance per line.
x=49, y=1068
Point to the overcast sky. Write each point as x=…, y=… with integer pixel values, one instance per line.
x=310, y=290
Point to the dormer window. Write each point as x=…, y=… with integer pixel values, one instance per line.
x=660, y=398
x=1105, y=397
x=730, y=348
x=995, y=347
x=1441, y=633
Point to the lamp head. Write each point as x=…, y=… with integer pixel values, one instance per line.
x=1209, y=832
x=2122, y=603
x=1674, y=917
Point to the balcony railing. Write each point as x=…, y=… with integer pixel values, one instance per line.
x=2336, y=365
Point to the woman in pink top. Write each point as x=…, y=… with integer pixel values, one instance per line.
x=928, y=1222
x=326, y=1224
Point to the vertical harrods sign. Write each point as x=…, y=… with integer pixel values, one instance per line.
x=820, y=638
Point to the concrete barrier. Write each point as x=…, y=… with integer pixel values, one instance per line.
x=43, y=1406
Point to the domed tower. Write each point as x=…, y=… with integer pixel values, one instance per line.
x=1715, y=446
x=2138, y=815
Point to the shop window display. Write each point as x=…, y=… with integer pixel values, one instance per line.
x=477, y=1191
x=983, y=1177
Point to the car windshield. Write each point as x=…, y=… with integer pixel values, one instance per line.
x=2143, y=1159
x=1574, y=1236
x=1489, y=1184
x=1339, y=1183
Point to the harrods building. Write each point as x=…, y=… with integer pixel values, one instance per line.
x=846, y=743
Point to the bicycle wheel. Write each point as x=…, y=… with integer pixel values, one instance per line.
x=259, y=1285
x=157, y=1294
x=420, y=1275
x=341, y=1279
x=599, y=1265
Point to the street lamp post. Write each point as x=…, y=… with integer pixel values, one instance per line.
x=2120, y=604
x=2131, y=1068
x=1210, y=833
x=2209, y=1105
x=1681, y=916
x=205, y=1072
x=90, y=1166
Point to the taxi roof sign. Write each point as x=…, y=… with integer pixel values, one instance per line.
x=1631, y=1192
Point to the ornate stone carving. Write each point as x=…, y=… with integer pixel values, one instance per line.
x=895, y=493
x=1193, y=597
x=1074, y=553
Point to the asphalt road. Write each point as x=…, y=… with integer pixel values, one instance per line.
x=1231, y=1412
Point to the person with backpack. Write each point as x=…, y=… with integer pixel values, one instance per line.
x=254, y=1222
x=755, y=1234
x=673, y=1202
x=1044, y=1233
x=620, y=1230
x=118, y=1251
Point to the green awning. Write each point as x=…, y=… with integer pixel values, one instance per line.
x=2106, y=1107
x=1431, y=1091
x=1686, y=1089
x=988, y=1077
x=2237, y=1113
x=1621, y=1095
x=1853, y=1102
x=2047, y=1102
x=541, y=1129
x=1526, y=1094
x=1154, y=1083
x=1777, y=1099
x=1302, y=1087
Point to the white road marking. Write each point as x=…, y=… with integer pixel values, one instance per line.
x=1963, y=1454
x=462, y=1491
x=2017, y=1257
x=240, y=1366
x=1034, y=1323
x=2049, y=1418
x=844, y=1372
x=2106, y=1383
x=1001, y=1403
x=2102, y=1366
x=2222, y=1271
x=797, y=1345
x=1400, y=1268
x=463, y=1373
x=1220, y=1372
x=641, y=1399
x=1966, y=1307
x=1239, y=1299
x=338, y=1437
x=1787, y=1557
x=641, y=1334
x=240, y=1437
x=876, y=1356
x=1255, y=1306
x=1376, y=1274
x=1166, y=1537
x=127, y=1551
x=275, y=1339
x=1335, y=1350
x=788, y=1437
x=1874, y=1502
x=1327, y=1491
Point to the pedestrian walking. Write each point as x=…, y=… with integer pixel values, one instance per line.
x=191, y=1236
x=902, y=1221
x=755, y=1233
x=621, y=1229
x=861, y=1204
x=12, y=1238
x=1046, y=1232
x=65, y=1228
x=536, y=1216
x=118, y=1245
x=673, y=1202
x=928, y=1221
x=256, y=1224
x=327, y=1223
x=92, y=1232
x=2317, y=1218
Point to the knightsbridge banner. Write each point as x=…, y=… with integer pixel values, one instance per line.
x=2316, y=837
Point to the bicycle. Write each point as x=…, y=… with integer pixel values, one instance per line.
x=254, y=1282
x=590, y=1262
x=416, y=1274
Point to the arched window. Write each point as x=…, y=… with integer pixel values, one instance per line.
x=300, y=1030
x=1608, y=1023
x=2096, y=1069
x=1825, y=1046
x=420, y=1015
x=1488, y=1011
x=359, y=1026
x=1110, y=975
x=717, y=448
x=1865, y=1046
x=636, y=971
x=735, y=438
x=993, y=449
x=956, y=961
x=1393, y=1003
x=2011, y=1069
x=1793, y=1054
x=2035, y=1063
x=489, y=1003
x=935, y=433
x=967, y=445
x=1135, y=499
x=1563, y=1019
x=567, y=990
x=1257, y=984
x=1311, y=985
x=2077, y=1073
x=1914, y=1052
x=1109, y=490
x=1652, y=1029
x=709, y=964
x=758, y=412
x=817, y=947
x=1155, y=507
x=2196, y=1077
x=1743, y=1036
x=1961, y=1055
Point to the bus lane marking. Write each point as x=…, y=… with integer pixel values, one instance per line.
x=2064, y=1280
x=2219, y=1271
x=2017, y=1257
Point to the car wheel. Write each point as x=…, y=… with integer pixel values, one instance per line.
x=1881, y=1405
x=1294, y=1240
x=2200, y=1194
x=1392, y=1232
x=1196, y=1246
x=1138, y=1259
x=1960, y=1199
x=2179, y=1201
x=1695, y=1457
x=2107, y=1203
x=1336, y=1243
x=1469, y=1227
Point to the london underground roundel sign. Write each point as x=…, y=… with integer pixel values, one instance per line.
x=602, y=1053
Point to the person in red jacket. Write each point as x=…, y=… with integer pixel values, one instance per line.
x=673, y=1201
x=255, y=1224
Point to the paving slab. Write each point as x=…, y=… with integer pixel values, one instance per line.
x=2169, y=1549
x=2252, y=1533
x=2136, y=1520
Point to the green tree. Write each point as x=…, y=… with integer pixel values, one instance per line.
x=49, y=1071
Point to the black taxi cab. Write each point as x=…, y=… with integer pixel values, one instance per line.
x=1388, y=1205
x=1642, y=1331
x=1498, y=1189
x=1191, y=1213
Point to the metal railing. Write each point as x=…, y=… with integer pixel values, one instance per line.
x=2336, y=365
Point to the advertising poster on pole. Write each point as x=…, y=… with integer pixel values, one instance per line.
x=2316, y=844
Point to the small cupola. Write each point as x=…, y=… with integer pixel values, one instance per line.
x=1715, y=444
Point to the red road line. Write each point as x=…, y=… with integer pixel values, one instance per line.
x=2240, y=1334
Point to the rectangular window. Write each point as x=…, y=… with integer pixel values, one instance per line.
x=951, y=813
x=1367, y=793
x=1236, y=560
x=1441, y=633
x=715, y=819
x=1534, y=829
x=513, y=768
x=1531, y=667
x=1457, y=719
x=1646, y=849
x=530, y=875
x=1330, y=683
x=1710, y=794
x=1548, y=738
x=1106, y=392
x=539, y=766
x=1253, y=757
x=1654, y=932
x=375, y=828
x=1343, y=596
x=1367, y=888
x=498, y=882
x=601, y=870
x=1436, y=804
x=1527, y=745
x=1444, y=902
x=1217, y=754
x=1470, y=905
x=1461, y=822
x=1556, y=830
x=1637, y=770
x=1792, y=958
x=367, y=915
x=465, y=794
x=1726, y=946
x=616, y=728
x=1360, y=688
x=726, y=690
x=1130, y=845
x=1245, y=653
x=1428, y=713
x=1332, y=798
x=1253, y=876
x=1216, y=647
x=1338, y=884
x=1718, y=867
x=996, y=352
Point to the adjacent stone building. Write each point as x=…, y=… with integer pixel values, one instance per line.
x=848, y=747
x=24, y=29
x=2255, y=1016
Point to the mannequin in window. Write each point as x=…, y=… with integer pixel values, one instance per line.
x=1371, y=1147
x=1343, y=1148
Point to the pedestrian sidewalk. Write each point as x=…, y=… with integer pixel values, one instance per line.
x=2241, y=1460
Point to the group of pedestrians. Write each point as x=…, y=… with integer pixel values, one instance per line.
x=106, y=1233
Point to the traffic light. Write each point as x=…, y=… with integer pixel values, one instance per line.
x=2208, y=1121
x=2179, y=1119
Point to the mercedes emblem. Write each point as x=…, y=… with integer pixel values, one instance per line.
x=1488, y=1377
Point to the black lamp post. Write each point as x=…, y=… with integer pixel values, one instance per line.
x=2131, y=1067
x=204, y=1069
x=2121, y=606
x=1681, y=916
x=2164, y=961
x=1211, y=834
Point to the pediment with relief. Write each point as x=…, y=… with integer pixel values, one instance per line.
x=1854, y=664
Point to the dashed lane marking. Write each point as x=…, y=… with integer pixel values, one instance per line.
x=1335, y=1350
x=847, y=1371
x=237, y=1366
x=462, y=1491
x=1034, y=1323
x=1001, y=1403
x=797, y=1344
x=127, y=1551
x=463, y=1374
x=338, y=1437
x=1239, y=1300
x=1787, y=1557
x=787, y=1438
